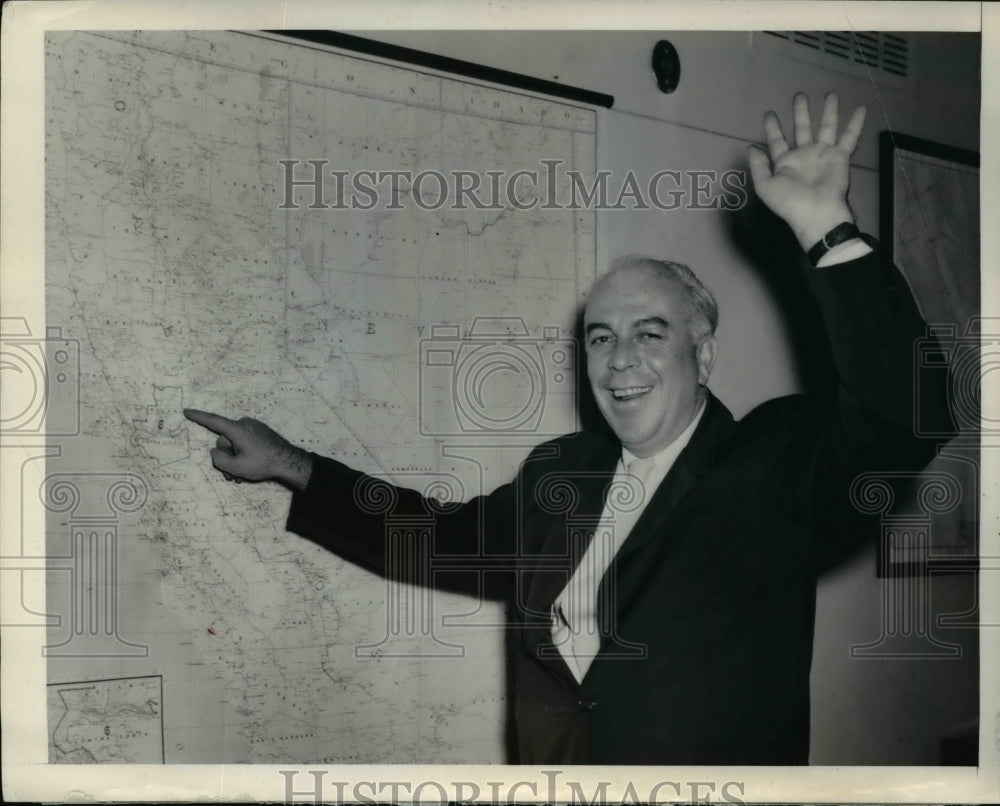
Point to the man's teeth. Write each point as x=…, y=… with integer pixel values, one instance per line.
x=632, y=391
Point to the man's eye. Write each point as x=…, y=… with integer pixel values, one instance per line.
x=647, y=336
x=597, y=340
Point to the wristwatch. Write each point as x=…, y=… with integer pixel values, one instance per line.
x=841, y=233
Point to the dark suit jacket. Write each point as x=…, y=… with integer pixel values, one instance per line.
x=709, y=605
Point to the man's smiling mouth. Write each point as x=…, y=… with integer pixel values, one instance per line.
x=631, y=392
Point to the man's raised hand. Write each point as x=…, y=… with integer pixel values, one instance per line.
x=807, y=185
x=248, y=450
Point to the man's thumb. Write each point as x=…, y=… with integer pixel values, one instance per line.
x=223, y=460
x=760, y=165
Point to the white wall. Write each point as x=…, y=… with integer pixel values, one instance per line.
x=864, y=711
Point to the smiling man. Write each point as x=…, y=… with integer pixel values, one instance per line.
x=660, y=586
x=650, y=343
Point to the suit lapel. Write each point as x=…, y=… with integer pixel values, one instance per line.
x=568, y=530
x=590, y=481
x=692, y=463
x=716, y=426
x=567, y=535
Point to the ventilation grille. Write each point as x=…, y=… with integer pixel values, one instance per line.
x=874, y=50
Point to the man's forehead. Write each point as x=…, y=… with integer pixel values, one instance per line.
x=632, y=289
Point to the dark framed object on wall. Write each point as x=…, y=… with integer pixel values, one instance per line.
x=929, y=227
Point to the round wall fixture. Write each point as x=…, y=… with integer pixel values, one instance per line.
x=666, y=66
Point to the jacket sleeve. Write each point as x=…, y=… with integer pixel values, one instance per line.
x=876, y=334
x=395, y=532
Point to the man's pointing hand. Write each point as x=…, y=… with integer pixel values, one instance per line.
x=248, y=450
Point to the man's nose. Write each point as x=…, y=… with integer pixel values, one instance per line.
x=623, y=355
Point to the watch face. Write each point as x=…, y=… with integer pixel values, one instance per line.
x=666, y=66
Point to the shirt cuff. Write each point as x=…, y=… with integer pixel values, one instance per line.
x=844, y=252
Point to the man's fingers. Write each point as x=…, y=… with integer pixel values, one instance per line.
x=213, y=422
x=224, y=455
x=760, y=166
x=828, y=125
x=802, y=119
x=776, y=143
x=849, y=139
x=223, y=460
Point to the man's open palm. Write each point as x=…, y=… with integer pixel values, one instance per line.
x=807, y=185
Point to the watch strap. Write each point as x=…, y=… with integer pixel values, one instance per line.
x=841, y=233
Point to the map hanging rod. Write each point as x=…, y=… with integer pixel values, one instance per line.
x=449, y=65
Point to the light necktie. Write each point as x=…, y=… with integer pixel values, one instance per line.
x=575, y=624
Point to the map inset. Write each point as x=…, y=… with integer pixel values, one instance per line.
x=106, y=721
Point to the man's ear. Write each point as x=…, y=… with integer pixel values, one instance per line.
x=707, y=351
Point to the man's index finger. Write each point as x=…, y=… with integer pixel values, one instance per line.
x=213, y=422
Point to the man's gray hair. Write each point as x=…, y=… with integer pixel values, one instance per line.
x=700, y=307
